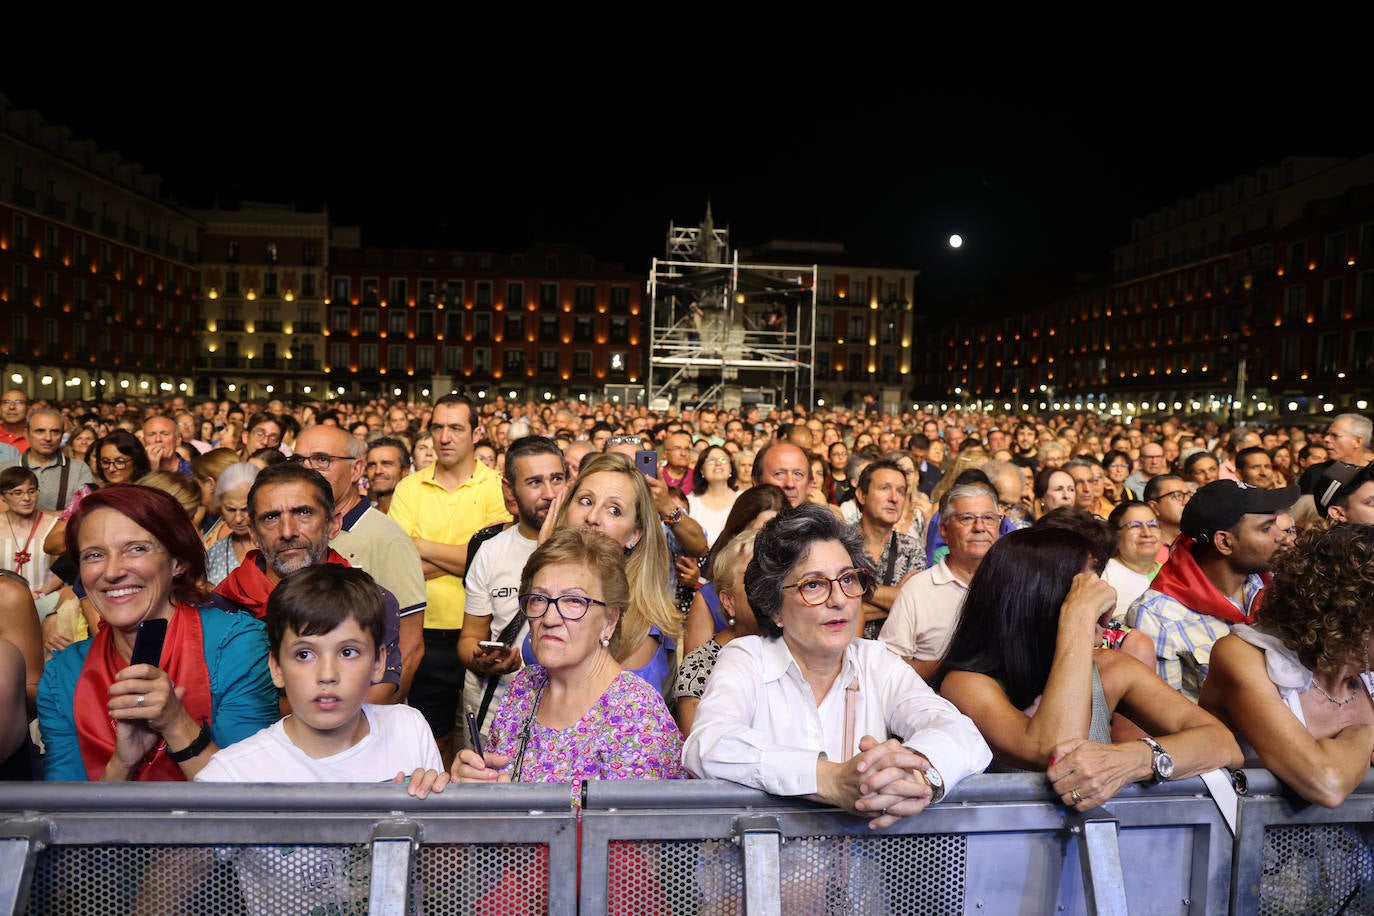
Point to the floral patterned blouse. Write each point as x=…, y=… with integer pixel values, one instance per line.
x=627, y=734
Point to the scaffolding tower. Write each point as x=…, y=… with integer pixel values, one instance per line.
x=729, y=333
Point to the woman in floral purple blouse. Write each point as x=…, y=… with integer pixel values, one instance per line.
x=576, y=714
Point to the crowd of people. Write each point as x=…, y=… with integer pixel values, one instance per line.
x=853, y=606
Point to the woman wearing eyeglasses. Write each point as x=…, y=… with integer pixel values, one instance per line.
x=576, y=713
x=23, y=531
x=714, y=491
x=807, y=709
x=1133, y=564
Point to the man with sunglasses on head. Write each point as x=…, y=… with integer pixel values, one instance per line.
x=921, y=623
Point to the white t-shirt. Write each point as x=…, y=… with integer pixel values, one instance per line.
x=325, y=878
x=398, y=741
x=493, y=590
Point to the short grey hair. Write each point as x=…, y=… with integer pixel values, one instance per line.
x=965, y=491
x=1360, y=425
x=239, y=476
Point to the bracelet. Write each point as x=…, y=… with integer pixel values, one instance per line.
x=673, y=517
x=193, y=749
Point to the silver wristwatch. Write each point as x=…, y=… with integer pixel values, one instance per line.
x=1160, y=762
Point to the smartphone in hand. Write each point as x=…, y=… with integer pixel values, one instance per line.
x=474, y=735
x=646, y=459
x=148, y=643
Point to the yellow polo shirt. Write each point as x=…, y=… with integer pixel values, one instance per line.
x=426, y=509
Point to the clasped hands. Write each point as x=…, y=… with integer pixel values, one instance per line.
x=884, y=781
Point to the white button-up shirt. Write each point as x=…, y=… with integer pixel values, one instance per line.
x=759, y=725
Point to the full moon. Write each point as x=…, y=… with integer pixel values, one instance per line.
x=955, y=241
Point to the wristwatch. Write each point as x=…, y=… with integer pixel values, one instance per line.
x=936, y=783
x=1161, y=763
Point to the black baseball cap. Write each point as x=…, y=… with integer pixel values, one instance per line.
x=1223, y=503
x=1340, y=481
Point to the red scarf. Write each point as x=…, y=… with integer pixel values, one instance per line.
x=183, y=658
x=1183, y=580
x=249, y=587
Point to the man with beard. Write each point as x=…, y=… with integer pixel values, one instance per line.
x=368, y=539
x=1211, y=581
x=881, y=495
x=536, y=475
x=291, y=514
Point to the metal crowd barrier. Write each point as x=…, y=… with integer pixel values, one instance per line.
x=998, y=844
x=1295, y=857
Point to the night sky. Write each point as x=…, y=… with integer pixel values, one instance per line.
x=1039, y=173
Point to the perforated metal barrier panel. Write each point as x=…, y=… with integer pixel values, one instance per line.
x=999, y=844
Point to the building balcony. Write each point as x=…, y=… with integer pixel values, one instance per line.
x=306, y=327
x=267, y=327
x=223, y=362
x=306, y=365
x=230, y=324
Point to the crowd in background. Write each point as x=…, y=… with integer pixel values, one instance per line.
x=1026, y=568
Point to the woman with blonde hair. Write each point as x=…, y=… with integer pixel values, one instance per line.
x=611, y=497
x=207, y=468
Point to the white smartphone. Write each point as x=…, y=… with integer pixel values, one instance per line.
x=492, y=644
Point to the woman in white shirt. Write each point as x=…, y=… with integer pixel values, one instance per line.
x=805, y=709
x=714, y=491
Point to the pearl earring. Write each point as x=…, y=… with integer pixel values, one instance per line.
x=605, y=643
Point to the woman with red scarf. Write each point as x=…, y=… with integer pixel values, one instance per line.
x=102, y=718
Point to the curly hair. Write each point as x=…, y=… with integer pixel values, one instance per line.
x=1318, y=603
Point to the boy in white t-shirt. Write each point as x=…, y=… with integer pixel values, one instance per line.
x=325, y=627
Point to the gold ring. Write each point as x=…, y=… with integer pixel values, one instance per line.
x=1076, y=797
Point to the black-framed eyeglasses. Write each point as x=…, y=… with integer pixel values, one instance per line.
x=318, y=461
x=570, y=607
x=816, y=590
x=120, y=463
x=1178, y=496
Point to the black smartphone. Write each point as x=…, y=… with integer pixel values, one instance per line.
x=148, y=642
x=473, y=734
x=646, y=459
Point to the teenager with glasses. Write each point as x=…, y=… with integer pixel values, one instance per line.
x=23, y=530
x=806, y=708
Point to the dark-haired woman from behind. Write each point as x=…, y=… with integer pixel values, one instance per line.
x=1025, y=665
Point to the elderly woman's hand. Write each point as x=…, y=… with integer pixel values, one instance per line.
x=468, y=767
x=1086, y=774
x=879, y=779
x=892, y=784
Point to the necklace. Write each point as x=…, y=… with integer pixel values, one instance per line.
x=1331, y=699
x=22, y=555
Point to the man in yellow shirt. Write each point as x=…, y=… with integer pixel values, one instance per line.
x=441, y=508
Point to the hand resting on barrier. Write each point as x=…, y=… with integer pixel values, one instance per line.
x=422, y=782
x=883, y=779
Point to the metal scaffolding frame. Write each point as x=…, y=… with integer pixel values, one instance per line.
x=728, y=332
